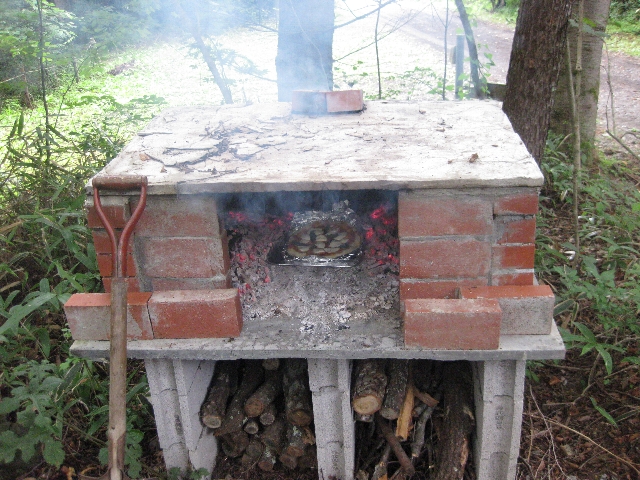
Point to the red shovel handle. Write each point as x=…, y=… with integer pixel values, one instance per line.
x=120, y=182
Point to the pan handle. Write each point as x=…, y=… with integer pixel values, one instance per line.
x=119, y=248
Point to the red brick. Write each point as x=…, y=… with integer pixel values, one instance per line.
x=105, y=265
x=519, y=204
x=519, y=230
x=89, y=316
x=512, y=278
x=425, y=216
x=526, y=310
x=132, y=284
x=411, y=288
x=160, y=284
x=196, y=313
x=446, y=258
x=452, y=324
x=344, y=101
x=117, y=215
x=172, y=216
x=102, y=243
x=171, y=257
x=513, y=256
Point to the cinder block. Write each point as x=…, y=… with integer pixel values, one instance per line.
x=525, y=203
x=436, y=216
x=172, y=257
x=444, y=258
x=116, y=208
x=196, y=313
x=417, y=288
x=526, y=310
x=172, y=216
x=452, y=324
x=512, y=256
x=89, y=316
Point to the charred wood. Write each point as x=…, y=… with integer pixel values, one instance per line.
x=298, y=406
x=457, y=425
x=234, y=418
x=398, y=374
x=223, y=385
x=370, y=385
x=257, y=403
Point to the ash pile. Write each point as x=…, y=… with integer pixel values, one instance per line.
x=323, y=295
x=415, y=419
x=262, y=413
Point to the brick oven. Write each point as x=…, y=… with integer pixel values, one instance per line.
x=464, y=192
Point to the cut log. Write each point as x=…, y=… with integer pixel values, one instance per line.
x=264, y=395
x=234, y=417
x=297, y=395
x=309, y=459
x=273, y=435
x=269, y=415
x=295, y=441
x=457, y=424
x=398, y=374
x=251, y=427
x=235, y=443
x=391, y=439
x=404, y=420
x=289, y=461
x=252, y=453
x=267, y=460
x=271, y=363
x=223, y=385
x=308, y=436
x=370, y=385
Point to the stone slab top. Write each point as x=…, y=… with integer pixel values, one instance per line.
x=264, y=147
x=274, y=338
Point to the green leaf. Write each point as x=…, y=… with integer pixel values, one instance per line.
x=53, y=453
x=586, y=332
x=606, y=356
x=18, y=313
x=9, y=404
x=603, y=412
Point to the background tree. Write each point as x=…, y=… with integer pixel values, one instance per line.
x=536, y=54
x=596, y=14
x=305, y=38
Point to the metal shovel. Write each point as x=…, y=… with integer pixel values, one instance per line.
x=118, y=346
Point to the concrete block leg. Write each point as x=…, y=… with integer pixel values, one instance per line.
x=192, y=381
x=330, y=384
x=166, y=408
x=499, y=390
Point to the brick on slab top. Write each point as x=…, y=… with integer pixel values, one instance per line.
x=179, y=257
x=444, y=258
x=89, y=316
x=452, y=324
x=521, y=203
x=116, y=208
x=411, y=288
x=526, y=310
x=437, y=215
x=179, y=216
x=196, y=313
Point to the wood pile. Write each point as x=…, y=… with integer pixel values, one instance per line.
x=262, y=413
x=414, y=417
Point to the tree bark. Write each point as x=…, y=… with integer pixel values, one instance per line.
x=235, y=443
x=370, y=385
x=398, y=374
x=252, y=453
x=273, y=435
x=457, y=424
x=257, y=403
x=305, y=39
x=478, y=85
x=223, y=384
x=596, y=15
x=536, y=55
x=297, y=399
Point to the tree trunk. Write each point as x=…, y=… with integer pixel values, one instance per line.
x=596, y=15
x=305, y=37
x=479, y=86
x=536, y=54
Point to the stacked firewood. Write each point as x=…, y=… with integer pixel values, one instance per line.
x=262, y=413
x=420, y=411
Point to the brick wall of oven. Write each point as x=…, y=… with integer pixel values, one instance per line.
x=465, y=237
